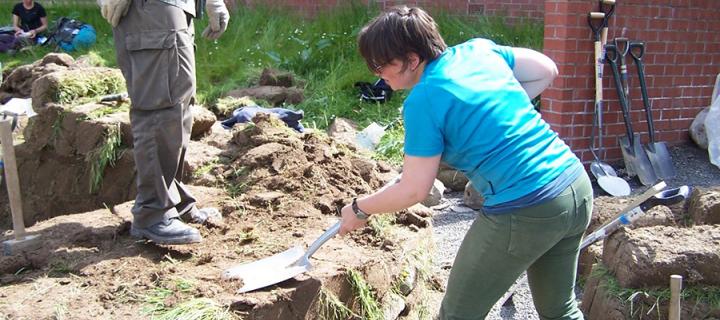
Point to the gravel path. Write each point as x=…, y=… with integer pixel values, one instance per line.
x=450, y=224
x=452, y=220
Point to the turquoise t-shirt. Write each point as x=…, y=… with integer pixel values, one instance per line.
x=469, y=107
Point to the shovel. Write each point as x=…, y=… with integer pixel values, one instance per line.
x=279, y=267
x=657, y=151
x=606, y=176
x=636, y=160
x=649, y=199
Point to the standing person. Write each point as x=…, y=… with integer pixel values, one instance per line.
x=154, y=43
x=470, y=106
x=29, y=19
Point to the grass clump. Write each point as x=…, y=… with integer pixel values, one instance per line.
x=390, y=148
x=88, y=85
x=381, y=224
x=331, y=308
x=165, y=294
x=105, y=155
x=108, y=110
x=369, y=306
x=197, y=309
x=638, y=299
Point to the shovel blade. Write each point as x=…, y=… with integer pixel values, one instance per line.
x=660, y=159
x=600, y=169
x=270, y=270
x=637, y=159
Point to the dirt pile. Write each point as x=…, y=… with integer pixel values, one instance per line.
x=275, y=187
x=632, y=280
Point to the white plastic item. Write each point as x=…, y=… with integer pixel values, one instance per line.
x=712, y=125
x=370, y=136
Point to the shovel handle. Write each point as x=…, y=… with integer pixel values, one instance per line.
x=331, y=232
x=637, y=50
x=612, y=56
x=648, y=199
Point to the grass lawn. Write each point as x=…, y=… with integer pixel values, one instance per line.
x=321, y=51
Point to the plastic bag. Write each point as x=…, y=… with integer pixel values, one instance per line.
x=712, y=125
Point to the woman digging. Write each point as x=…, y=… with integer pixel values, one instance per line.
x=470, y=107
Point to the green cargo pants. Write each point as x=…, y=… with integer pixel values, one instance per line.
x=543, y=239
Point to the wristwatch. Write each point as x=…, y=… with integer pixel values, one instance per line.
x=358, y=213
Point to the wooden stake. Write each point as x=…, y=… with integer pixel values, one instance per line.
x=11, y=178
x=675, y=289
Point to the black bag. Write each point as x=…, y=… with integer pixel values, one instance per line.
x=7, y=39
x=377, y=92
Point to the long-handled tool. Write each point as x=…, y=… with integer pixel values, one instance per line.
x=622, y=45
x=650, y=198
x=606, y=176
x=22, y=241
x=636, y=160
x=279, y=267
x=657, y=151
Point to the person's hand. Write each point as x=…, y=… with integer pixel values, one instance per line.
x=113, y=10
x=31, y=34
x=349, y=221
x=218, y=16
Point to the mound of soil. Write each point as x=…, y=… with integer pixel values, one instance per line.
x=603, y=299
x=280, y=189
x=648, y=256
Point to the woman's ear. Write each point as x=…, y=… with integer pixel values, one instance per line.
x=414, y=61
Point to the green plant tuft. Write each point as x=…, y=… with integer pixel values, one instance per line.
x=709, y=295
x=331, y=308
x=197, y=309
x=369, y=306
x=105, y=155
x=87, y=85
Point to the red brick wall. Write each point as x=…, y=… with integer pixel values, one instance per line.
x=681, y=61
x=513, y=9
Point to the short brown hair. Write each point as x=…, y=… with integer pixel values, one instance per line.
x=398, y=32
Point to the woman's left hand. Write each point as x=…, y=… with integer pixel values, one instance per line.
x=350, y=222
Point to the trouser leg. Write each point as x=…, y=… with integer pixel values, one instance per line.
x=159, y=151
x=155, y=51
x=552, y=277
x=498, y=248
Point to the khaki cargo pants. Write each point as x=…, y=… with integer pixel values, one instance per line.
x=543, y=239
x=154, y=43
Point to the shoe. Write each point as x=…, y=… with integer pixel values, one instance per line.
x=204, y=215
x=172, y=231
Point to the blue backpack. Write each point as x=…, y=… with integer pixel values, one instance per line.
x=72, y=34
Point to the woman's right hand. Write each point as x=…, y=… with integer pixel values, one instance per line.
x=350, y=221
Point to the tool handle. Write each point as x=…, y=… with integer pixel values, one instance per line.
x=114, y=97
x=597, y=116
x=331, y=232
x=635, y=209
x=667, y=197
x=623, y=48
x=596, y=21
x=637, y=50
x=11, y=178
x=612, y=57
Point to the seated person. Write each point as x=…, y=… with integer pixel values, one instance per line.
x=29, y=20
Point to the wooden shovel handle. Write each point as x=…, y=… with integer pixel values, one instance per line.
x=11, y=178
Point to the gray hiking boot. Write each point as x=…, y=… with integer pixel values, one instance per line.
x=172, y=231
